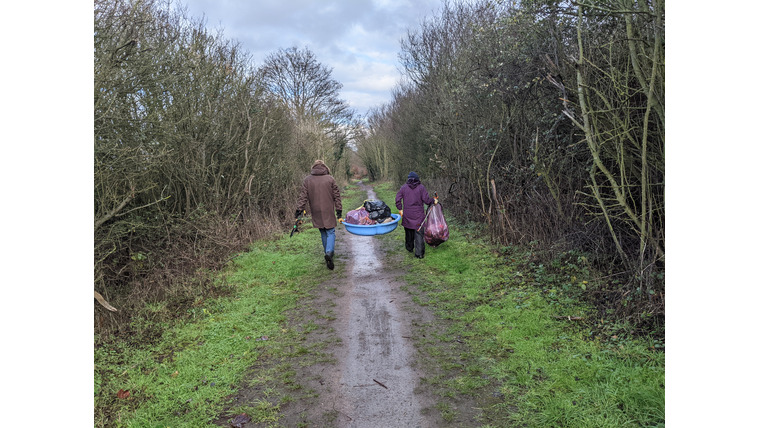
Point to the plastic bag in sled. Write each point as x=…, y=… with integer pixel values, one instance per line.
x=377, y=210
x=359, y=216
x=436, y=229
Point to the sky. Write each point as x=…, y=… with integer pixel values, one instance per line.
x=358, y=39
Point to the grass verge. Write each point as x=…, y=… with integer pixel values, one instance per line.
x=187, y=375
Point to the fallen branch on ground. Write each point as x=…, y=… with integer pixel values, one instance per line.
x=103, y=302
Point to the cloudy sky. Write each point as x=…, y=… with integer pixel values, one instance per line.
x=358, y=39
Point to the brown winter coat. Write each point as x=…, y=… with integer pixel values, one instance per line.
x=321, y=192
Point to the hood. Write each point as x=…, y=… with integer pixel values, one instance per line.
x=319, y=168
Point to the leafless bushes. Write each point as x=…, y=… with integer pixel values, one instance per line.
x=543, y=120
x=194, y=155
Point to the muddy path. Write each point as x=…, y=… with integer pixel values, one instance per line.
x=375, y=377
x=357, y=364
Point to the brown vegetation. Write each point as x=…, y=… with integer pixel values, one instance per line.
x=194, y=155
x=545, y=121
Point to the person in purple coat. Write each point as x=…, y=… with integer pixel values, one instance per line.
x=410, y=202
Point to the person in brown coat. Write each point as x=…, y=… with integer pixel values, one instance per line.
x=322, y=194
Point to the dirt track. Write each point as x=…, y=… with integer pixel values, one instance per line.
x=374, y=380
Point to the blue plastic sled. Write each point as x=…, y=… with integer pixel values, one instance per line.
x=373, y=229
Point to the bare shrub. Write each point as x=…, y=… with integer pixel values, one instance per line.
x=492, y=112
x=194, y=156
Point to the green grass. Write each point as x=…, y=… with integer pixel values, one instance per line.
x=502, y=342
x=185, y=379
x=352, y=198
x=544, y=371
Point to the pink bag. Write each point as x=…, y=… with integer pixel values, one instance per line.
x=436, y=229
x=360, y=216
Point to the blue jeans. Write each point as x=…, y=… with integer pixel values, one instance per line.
x=328, y=240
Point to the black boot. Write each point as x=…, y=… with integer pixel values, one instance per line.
x=329, y=260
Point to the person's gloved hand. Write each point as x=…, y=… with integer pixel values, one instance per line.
x=401, y=213
x=435, y=201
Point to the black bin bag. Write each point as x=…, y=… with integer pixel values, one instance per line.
x=377, y=210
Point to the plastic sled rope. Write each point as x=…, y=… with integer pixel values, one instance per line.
x=373, y=229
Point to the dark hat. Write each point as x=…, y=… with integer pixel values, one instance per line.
x=413, y=175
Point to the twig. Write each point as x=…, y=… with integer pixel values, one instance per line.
x=113, y=212
x=379, y=383
x=144, y=206
x=233, y=257
x=198, y=231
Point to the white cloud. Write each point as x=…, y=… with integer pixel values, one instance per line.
x=358, y=39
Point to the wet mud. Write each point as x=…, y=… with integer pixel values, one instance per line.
x=375, y=377
x=375, y=367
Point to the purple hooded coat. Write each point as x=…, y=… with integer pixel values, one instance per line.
x=411, y=198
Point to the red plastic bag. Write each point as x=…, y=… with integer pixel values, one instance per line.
x=360, y=216
x=436, y=229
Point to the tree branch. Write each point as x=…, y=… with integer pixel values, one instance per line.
x=146, y=205
x=113, y=212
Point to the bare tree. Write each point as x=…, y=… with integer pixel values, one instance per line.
x=305, y=85
x=324, y=122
